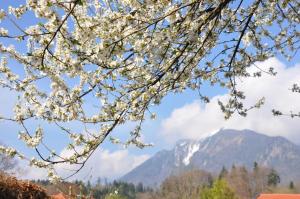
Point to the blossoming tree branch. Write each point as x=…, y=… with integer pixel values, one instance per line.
x=126, y=56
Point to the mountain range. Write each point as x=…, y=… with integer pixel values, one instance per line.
x=227, y=147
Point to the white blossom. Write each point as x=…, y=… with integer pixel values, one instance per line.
x=3, y=32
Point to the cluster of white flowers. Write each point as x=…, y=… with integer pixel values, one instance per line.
x=8, y=151
x=125, y=56
x=247, y=39
x=37, y=163
x=17, y=12
x=53, y=177
x=3, y=32
x=32, y=141
x=4, y=69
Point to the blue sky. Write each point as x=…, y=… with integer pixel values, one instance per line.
x=179, y=116
x=168, y=104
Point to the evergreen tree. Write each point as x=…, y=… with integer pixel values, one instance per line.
x=291, y=186
x=273, y=178
x=98, y=182
x=88, y=185
x=223, y=172
x=140, y=187
x=255, y=166
x=233, y=167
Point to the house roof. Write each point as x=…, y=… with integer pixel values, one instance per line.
x=279, y=196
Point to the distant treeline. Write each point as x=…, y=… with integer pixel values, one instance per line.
x=107, y=190
x=231, y=183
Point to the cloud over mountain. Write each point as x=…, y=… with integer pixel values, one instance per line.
x=196, y=120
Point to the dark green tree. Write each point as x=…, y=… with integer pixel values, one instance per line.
x=223, y=172
x=233, y=166
x=291, y=186
x=273, y=178
x=140, y=187
x=255, y=166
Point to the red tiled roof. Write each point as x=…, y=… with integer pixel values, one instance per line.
x=279, y=196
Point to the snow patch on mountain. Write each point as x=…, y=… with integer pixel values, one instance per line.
x=191, y=150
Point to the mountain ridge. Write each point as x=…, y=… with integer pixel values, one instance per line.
x=227, y=147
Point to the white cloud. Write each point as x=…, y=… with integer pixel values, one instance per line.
x=196, y=121
x=27, y=172
x=103, y=163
